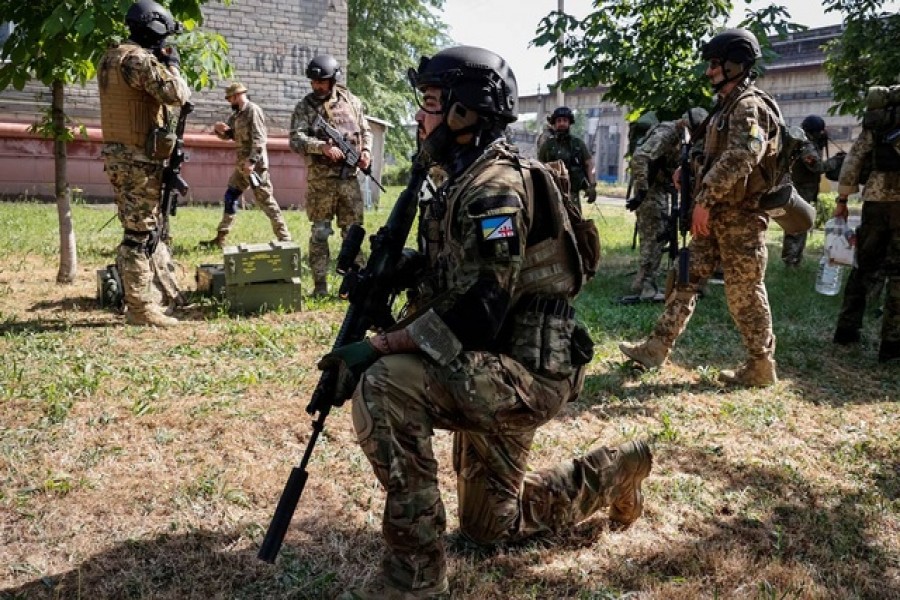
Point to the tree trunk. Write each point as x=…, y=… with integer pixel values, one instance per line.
x=68, y=261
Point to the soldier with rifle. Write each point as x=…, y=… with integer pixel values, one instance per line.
x=332, y=190
x=489, y=347
x=139, y=80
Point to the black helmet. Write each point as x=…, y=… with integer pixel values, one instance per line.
x=150, y=22
x=562, y=111
x=813, y=124
x=477, y=78
x=323, y=66
x=733, y=45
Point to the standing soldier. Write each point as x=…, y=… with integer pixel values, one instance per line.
x=138, y=80
x=247, y=127
x=728, y=226
x=332, y=188
x=491, y=358
x=806, y=174
x=652, y=165
x=573, y=152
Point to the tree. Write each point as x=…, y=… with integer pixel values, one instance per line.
x=648, y=51
x=866, y=54
x=59, y=43
x=385, y=38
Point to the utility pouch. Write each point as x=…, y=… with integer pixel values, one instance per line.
x=556, y=346
x=160, y=143
x=525, y=341
x=587, y=237
x=582, y=346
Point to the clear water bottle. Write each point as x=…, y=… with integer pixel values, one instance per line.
x=828, y=281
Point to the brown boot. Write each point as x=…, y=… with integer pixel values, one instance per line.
x=649, y=290
x=633, y=464
x=320, y=289
x=638, y=282
x=756, y=372
x=150, y=315
x=216, y=242
x=380, y=589
x=649, y=353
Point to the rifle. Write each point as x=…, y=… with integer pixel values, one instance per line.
x=173, y=183
x=351, y=154
x=683, y=211
x=371, y=292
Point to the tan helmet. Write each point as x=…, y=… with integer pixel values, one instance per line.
x=235, y=88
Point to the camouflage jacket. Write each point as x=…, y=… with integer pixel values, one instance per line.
x=248, y=130
x=880, y=187
x=806, y=172
x=573, y=152
x=742, y=141
x=659, y=152
x=304, y=139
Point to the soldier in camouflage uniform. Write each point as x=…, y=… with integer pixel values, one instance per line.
x=877, y=238
x=652, y=165
x=741, y=145
x=573, y=152
x=332, y=189
x=806, y=174
x=247, y=127
x=138, y=79
x=489, y=355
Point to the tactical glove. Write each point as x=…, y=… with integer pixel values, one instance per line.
x=591, y=194
x=350, y=362
x=632, y=204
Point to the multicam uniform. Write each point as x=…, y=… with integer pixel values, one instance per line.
x=574, y=153
x=495, y=364
x=741, y=134
x=806, y=174
x=652, y=165
x=877, y=242
x=247, y=127
x=134, y=88
x=332, y=189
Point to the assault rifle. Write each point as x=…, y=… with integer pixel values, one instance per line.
x=681, y=211
x=371, y=292
x=173, y=184
x=351, y=154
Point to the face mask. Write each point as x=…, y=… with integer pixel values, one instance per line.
x=436, y=148
x=235, y=106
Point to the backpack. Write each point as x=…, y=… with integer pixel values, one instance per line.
x=882, y=118
x=550, y=182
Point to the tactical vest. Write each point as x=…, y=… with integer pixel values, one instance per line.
x=566, y=150
x=882, y=118
x=126, y=114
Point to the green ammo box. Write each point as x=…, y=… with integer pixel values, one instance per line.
x=263, y=276
x=211, y=280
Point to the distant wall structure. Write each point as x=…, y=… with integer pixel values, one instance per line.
x=796, y=79
x=270, y=44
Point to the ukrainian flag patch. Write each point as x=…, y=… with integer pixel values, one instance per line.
x=497, y=228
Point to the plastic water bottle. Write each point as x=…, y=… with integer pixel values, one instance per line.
x=828, y=281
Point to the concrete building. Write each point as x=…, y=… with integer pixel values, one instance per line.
x=796, y=79
x=270, y=44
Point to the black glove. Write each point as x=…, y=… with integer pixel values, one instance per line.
x=169, y=56
x=349, y=361
x=632, y=204
x=591, y=194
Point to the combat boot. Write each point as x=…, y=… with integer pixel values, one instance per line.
x=638, y=282
x=150, y=315
x=320, y=289
x=756, y=372
x=650, y=353
x=381, y=589
x=846, y=336
x=622, y=470
x=216, y=242
x=649, y=290
x=888, y=351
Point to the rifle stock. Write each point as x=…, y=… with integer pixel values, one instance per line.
x=351, y=154
x=370, y=292
x=173, y=183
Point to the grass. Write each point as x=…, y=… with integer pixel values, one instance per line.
x=143, y=463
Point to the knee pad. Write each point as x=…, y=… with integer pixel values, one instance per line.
x=232, y=195
x=321, y=231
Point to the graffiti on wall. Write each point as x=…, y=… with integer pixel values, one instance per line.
x=292, y=63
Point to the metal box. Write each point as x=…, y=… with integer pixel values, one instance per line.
x=256, y=263
x=210, y=280
x=258, y=297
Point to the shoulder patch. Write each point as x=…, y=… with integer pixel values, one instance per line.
x=501, y=227
x=755, y=138
x=501, y=204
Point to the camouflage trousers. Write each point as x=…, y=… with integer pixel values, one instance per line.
x=494, y=406
x=137, y=185
x=737, y=243
x=264, y=198
x=328, y=198
x=877, y=256
x=651, y=222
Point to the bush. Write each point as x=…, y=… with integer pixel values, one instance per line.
x=397, y=174
x=824, y=209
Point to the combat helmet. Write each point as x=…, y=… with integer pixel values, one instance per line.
x=562, y=111
x=150, y=22
x=323, y=66
x=478, y=79
x=738, y=49
x=813, y=124
x=693, y=117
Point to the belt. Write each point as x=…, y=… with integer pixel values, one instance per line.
x=553, y=307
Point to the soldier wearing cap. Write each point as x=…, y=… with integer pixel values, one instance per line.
x=247, y=127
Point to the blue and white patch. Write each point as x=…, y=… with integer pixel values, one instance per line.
x=497, y=228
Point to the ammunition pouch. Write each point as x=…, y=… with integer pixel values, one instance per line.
x=582, y=348
x=787, y=208
x=160, y=143
x=587, y=238
x=541, y=337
